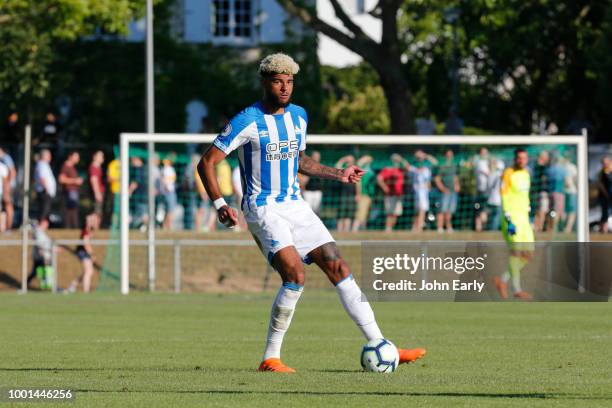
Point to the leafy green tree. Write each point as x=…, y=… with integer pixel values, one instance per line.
x=363, y=113
x=31, y=30
x=517, y=60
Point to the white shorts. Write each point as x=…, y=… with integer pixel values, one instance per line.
x=421, y=200
x=291, y=223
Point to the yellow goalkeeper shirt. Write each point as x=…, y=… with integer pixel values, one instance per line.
x=515, y=191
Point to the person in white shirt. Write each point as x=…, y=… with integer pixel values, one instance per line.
x=494, y=201
x=571, y=195
x=44, y=184
x=421, y=184
x=481, y=167
x=168, y=190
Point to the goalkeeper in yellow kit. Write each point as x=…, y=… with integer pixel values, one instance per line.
x=516, y=228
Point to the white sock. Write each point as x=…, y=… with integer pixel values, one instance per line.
x=280, y=317
x=358, y=307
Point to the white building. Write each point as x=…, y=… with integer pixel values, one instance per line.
x=249, y=23
x=240, y=23
x=332, y=53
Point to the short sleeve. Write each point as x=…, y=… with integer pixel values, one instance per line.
x=303, y=118
x=236, y=133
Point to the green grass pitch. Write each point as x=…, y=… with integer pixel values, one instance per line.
x=202, y=350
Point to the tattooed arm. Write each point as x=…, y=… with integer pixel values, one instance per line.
x=312, y=168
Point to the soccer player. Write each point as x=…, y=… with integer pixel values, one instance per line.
x=516, y=228
x=270, y=136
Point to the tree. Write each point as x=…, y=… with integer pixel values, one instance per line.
x=30, y=31
x=364, y=113
x=383, y=56
x=519, y=60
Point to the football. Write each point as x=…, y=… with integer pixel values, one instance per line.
x=379, y=356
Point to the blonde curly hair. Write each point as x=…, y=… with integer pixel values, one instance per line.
x=278, y=63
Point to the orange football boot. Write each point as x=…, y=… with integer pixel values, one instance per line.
x=501, y=287
x=410, y=355
x=274, y=365
x=523, y=295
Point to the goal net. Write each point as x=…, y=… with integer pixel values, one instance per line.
x=416, y=188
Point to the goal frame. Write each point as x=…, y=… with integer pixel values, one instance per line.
x=580, y=141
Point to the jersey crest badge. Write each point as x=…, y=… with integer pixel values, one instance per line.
x=227, y=130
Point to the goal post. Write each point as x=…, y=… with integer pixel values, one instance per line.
x=389, y=142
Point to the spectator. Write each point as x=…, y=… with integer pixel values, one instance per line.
x=160, y=208
x=454, y=124
x=447, y=182
x=13, y=135
x=365, y=192
x=556, y=178
x=391, y=182
x=540, y=190
x=312, y=188
x=45, y=185
x=188, y=192
x=604, y=189
x=494, y=200
x=7, y=205
x=5, y=191
x=71, y=182
x=113, y=178
x=571, y=194
x=467, y=193
x=348, y=197
x=85, y=253
x=42, y=253
x=238, y=193
x=168, y=191
x=421, y=184
x=138, y=192
x=12, y=129
x=96, y=184
x=51, y=129
x=481, y=167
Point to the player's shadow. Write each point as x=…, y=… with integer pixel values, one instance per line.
x=9, y=280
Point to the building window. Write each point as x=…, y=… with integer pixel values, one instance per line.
x=242, y=15
x=233, y=19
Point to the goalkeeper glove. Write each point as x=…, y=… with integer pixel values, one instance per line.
x=511, y=226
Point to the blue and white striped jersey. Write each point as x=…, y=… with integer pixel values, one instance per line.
x=268, y=149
